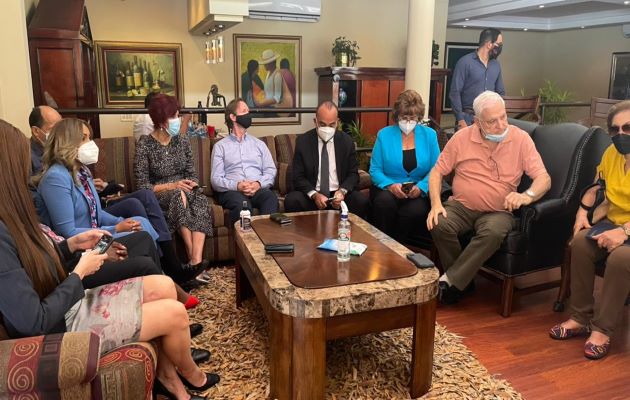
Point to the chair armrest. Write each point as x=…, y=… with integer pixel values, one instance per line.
x=540, y=210
x=49, y=363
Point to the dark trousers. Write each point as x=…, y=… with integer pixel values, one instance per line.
x=142, y=260
x=397, y=217
x=265, y=200
x=142, y=203
x=585, y=254
x=357, y=203
x=461, y=265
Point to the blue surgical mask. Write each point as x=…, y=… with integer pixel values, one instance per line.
x=497, y=138
x=173, y=126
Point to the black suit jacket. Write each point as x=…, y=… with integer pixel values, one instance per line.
x=306, y=161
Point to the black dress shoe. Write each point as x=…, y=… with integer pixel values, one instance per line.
x=160, y=391
x=448, y=294
x=190, y=271
x=211, y=380
x=195, y=329
x=199, y=355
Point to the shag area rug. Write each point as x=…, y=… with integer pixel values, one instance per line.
x=374, y=366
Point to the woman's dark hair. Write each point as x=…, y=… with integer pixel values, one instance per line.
x=162, y=108
x=488, y=35
x=252, y=65
x=408, y=102
x=17, y=212
x=148, y=98
x=616, y=109
x=231, y=109
x=284, y=63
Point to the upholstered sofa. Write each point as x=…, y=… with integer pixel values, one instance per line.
x=68, y=366
x=116, y=163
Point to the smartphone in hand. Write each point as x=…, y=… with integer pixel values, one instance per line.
x=407, y=186
x=104, y=244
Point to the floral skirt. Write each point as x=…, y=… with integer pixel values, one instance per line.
x=113, y=311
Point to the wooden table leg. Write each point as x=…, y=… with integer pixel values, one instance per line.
x=422, y=349
x=309, y=358
x=243, y=287
x=280, y=354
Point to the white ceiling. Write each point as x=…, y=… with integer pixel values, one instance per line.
x=538, y=15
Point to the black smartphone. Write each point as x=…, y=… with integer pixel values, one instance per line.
x=273, y=248
x=420, y=260
x=103, y=244
x=407, y=186
x=198, y=188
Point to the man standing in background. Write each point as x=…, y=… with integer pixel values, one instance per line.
x=475, y=73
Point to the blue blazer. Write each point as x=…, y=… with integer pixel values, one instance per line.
x=65, y=206
x=386, y=165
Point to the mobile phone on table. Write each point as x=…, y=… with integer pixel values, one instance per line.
x=104, y=244
x=407, y=186
x=420, y=260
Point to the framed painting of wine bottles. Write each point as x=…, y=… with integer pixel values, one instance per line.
x=128, y=71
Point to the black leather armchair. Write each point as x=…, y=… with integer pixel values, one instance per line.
x=571, y=153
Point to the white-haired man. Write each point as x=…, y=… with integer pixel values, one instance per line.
x=488, y=159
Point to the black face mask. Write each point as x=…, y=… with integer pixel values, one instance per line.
x=244, y=120
x=622, y=143
x=496, y=51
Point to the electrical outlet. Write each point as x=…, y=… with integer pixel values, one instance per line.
x=126, y=118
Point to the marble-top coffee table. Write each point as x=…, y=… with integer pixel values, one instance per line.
x=302, y=320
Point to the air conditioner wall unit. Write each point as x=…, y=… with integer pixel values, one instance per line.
x=286, y=10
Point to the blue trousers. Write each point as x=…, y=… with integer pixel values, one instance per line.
x=142, y=203
x=265, y=200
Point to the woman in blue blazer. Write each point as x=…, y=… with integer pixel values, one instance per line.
x=68, y=201
x=401, y=161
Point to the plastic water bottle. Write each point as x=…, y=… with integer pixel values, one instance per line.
x=246, y=218
x=344, y=234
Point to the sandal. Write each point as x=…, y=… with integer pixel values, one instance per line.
x=595, y=351
x=558, y=332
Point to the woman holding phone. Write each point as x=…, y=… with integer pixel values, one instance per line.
x=164, y=163
x=402, y=158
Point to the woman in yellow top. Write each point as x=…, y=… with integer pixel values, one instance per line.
x=612, y=245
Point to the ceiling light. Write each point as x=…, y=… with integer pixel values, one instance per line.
x=525, y=29
x=465, y=26
x=582, y=27
x=626, y=2
x=466, y=19
x=541, y=6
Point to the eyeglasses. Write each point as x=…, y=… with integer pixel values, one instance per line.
x=495, y=166
x=614, y=130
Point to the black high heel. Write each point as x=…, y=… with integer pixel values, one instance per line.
x=160, y=390
x=211, y=380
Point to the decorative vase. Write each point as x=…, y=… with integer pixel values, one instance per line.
x=341, y=59
x=343, y=97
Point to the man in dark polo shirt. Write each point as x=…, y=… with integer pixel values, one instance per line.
x=475, y=73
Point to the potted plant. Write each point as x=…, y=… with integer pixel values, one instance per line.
x=345, y=52
x=354, y=130
x=550, y=93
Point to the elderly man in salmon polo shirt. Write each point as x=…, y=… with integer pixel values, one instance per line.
x=488, y=158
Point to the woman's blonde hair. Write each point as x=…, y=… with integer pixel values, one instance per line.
x=408, y=102
x=63, y=147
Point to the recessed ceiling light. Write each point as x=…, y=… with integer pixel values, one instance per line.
x=525, y=29
x=582, y=27
x=626, y=2
x=541, y=6
x=465, y=26
x=466, y=19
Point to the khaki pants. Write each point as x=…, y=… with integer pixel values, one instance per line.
x=585, y=254
x=490, y=228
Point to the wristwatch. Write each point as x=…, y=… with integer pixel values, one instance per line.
x=530, y=193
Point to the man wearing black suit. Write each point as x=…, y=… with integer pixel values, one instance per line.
x=325, y=166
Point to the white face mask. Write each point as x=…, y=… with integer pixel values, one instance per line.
x=88, y=153
x=407, y=126
x=496, y=138
x=325, y=133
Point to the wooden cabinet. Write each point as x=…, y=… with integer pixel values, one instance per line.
x=373, y=87
x=63, y=67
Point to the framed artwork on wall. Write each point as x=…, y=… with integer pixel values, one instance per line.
x=268, y=74
x=453, y=52
x=128, y=71
x=619, y=87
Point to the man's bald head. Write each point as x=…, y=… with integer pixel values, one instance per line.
x=326, y=114
x=42, y=119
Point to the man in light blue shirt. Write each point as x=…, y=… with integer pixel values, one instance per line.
x=242, y=167
x=475, y=73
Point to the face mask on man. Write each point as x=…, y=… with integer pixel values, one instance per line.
x=407, y=126
x=325, y=133
x=244, y=120
x=622, y=143
x=174, y=124
x=496, y=51
x=88, y=153
x=496, y=138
